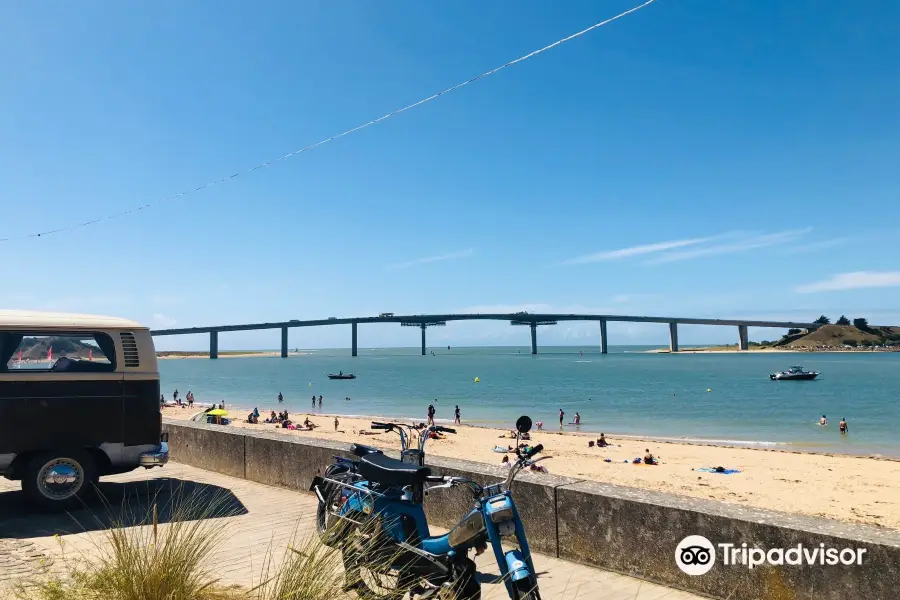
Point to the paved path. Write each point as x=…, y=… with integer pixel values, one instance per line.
x=266, y=517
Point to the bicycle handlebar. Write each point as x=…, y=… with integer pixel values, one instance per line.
x=383, y=426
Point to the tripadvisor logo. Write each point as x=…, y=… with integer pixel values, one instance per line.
x=696, y=555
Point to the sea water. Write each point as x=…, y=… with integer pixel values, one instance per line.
x=724, y=398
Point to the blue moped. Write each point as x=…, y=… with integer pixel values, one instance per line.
x=346, y=470
x=387, y=547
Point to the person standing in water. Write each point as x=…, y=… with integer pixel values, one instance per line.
x=457, y=421
x=280, y=397
x=823, y=420
x=577, y=418
x=843, y=426
x=562, y=415
x=314, y=401
x=320, y=400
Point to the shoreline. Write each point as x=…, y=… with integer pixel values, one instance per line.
x=846, y=487
x=761, y=445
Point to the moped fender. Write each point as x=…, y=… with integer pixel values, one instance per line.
x=517, y=566
x=316, y=482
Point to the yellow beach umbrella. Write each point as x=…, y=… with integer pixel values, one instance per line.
x=218, y=412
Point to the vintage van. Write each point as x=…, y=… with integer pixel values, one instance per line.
x=79, y=399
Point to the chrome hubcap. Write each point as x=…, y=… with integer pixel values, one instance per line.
x=61, y=478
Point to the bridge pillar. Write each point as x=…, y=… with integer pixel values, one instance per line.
x=743, y=338
x=284, y=340
x=353, y=337
x=604, y=346
x=214, y=344
x=424, y=327
x=673, y=337
x=534, y=338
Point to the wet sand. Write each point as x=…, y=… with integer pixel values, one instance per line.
x=847, y=488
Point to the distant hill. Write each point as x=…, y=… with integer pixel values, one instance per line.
x=837, y=336
x=36, y=348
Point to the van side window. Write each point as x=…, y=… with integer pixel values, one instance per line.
x=58, y=353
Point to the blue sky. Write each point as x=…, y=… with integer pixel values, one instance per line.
x=736, y=161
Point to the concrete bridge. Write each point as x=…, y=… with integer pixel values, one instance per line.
x=530, y=320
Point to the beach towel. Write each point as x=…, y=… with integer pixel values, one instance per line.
x=712, y=470
x=501, y=449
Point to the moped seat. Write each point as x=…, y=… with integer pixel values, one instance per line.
x=362, y=450
x=390, y=471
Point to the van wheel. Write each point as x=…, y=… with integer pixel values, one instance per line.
x=59, y=480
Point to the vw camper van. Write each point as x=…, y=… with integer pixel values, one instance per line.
x=79, y=399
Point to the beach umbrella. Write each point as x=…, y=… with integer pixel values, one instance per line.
x=218, y=412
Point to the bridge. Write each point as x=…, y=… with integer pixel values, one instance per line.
x=531, y=320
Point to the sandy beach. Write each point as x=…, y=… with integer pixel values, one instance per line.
x=846, y=488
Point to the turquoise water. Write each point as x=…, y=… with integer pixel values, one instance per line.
x=626, y=392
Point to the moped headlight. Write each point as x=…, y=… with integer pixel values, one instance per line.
x=506, y=528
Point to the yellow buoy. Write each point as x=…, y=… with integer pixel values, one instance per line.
x=708, y=389
x=477, y=380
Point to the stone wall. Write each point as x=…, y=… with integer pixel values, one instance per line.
x=621, y=529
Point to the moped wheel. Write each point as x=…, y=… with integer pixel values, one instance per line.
x=528, y=594
x=330, y=527
x=367, y=554
x=465, y=586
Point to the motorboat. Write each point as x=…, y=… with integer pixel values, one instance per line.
x=794, y=373
x=341, y=375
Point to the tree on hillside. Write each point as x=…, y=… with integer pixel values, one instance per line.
x=861, y=324
x=843, y=321
x=850, y=342
x=823, y=320
x=792, y=332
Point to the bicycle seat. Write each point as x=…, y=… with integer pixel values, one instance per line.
x=362, y=450
x=390, y=471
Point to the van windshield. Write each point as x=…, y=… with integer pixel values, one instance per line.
x=70, y=353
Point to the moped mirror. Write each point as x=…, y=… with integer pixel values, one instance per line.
x=523, y=425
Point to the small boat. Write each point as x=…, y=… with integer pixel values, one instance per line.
x=341, y=375
x=795, y=374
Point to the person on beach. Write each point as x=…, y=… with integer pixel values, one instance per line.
x=562, y=415
x=456, y=421
x=540, y=425
x=823, y=420
x=314, y=401
x=190, y=399
x=175, y=396
x=431, y=412
x=505, y=461
x=162, y=400
x=843, y=426
x=602, y=443
x=577, y=418
x=648, y=458
x=280, y=397
x=320, y=401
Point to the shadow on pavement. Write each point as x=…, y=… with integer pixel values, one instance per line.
x=128, y=504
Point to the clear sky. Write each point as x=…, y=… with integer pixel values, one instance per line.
x=720, y=159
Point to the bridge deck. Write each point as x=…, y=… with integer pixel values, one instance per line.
x=519, y=317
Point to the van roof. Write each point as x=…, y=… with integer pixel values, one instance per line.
x=31, y=318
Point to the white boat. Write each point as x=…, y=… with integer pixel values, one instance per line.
x=795, y=374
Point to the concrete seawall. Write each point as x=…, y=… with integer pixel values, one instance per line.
x=621, y=529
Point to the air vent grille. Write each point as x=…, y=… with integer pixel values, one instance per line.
x=129, y=349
